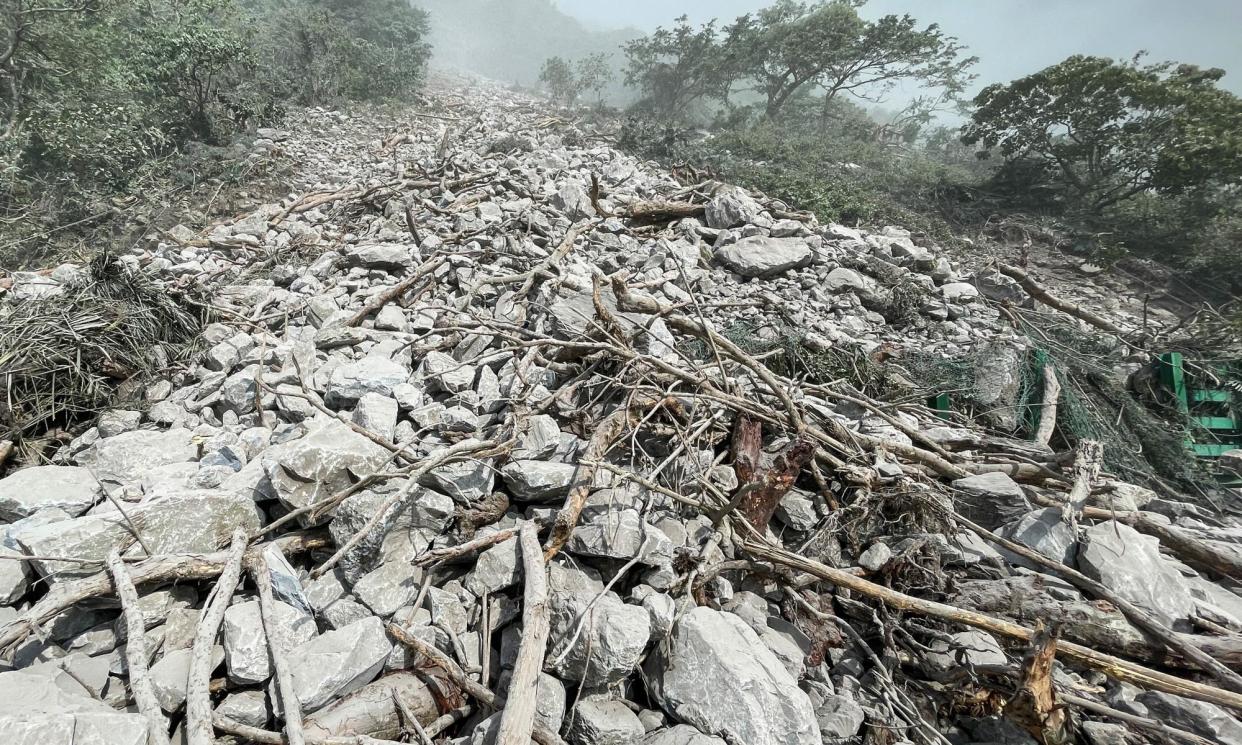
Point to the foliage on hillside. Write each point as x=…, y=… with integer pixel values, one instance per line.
x=1120, y=157
x=92, y=92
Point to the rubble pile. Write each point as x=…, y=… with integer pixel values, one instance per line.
x=479, y=450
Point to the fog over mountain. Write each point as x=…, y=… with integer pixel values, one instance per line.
x=1011, y=37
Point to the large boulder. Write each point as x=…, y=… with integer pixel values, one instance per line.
x=1199, y=717
x=1129, y=563
x=731, y=208
x=338, y=662
x=715, y=673
x=25, y=492
x=760, y=256
x=322, y=463
x=614, y=634
x=124, y=459
x=246, y=650
x=990, y=499
x=50, y=707
x=188, y=521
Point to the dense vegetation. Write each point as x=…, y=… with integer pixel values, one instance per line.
x=1116, y=157
x=93, y=91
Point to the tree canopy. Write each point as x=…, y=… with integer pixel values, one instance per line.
x=1108, y=131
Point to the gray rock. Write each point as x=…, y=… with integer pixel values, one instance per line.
x=497, y=568
x=246, y=651
x=443, y=373
x=338, y=662
x=322, y=463
x=573, y=200
x=537, y=480
x=618, y=534
x=990, y=499
x=125, y=458
x=1045, y=532
x=1105, y=733
x=245, y=707
x=352, y=381
x=598, y=721
x=695, y=677
x=170, y=676
x=731, y=208
x=118, y=421
x=189, y=521
x=839, y=717
x=378, y=414
x=875, y=558
x=613, y=637
x=13, y=577
x=996, y=286
x=1200, y=717
x=682, y=734
x=49, y=707
x=386, y=257
x=959, y=292
x=760, y=256
x=848, y=280
x=388, y=587
x=965, y=648
x=998, y=381
x=1129, y=563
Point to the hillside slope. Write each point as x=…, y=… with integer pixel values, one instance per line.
x=525, y=436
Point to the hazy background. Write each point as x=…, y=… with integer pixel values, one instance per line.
x=1012, y=38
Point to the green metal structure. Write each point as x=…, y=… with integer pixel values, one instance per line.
x=1212, y=409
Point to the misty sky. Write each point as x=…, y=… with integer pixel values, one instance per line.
x=1011, y=37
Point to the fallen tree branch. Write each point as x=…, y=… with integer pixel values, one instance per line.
x=291, y=707
x=517, y=720
x=1042, y=295
x=136, y=656
x=156, y=570
x=541, y=734
x=1114, y=667
x=198, y=729
x=396, y=291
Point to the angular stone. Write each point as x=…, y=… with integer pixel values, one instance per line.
x=612, y=640
x=392, y=585
x=245, y=707
x=599, y=721
x=170, y=676
x=49, y=707
x=443, y=373
x=990, y=499
x=246, y=650
x=696, y=674
x=537, y=480
x=497, y=568
x=378, y=414
x=731, y=208
x=352, y=381
x=1044, y=531
x=965, y=648
x=338, y=662
x=385, y=257
x=847, y=280
x=322, y=463
x=1199, y=717
x=760, y=256
x=125, y=458
x=189, y=521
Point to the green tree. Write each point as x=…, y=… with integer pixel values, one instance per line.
x=1105, y=132
x=675, y=68
x=790, y=46
x=594, y=73
x=558, y=77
